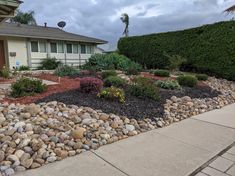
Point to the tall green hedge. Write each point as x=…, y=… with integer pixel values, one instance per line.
x=208, y=49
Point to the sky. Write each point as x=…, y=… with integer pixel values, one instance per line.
x=101, y=18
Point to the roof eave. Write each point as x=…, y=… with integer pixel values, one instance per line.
x=52, y=38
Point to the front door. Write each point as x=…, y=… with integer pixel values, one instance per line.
x=2, y=55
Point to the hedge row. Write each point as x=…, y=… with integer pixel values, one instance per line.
x=208, y=49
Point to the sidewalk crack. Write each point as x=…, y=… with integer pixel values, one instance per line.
x=109, y=163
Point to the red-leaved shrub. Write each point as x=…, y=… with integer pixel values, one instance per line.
x=91, y=85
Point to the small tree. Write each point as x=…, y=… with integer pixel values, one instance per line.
x=125, y=20
x=24, y=18
x=230, y=9
x=175, y=61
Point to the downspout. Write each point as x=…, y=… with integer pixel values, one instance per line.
x=28, y=46
x=6, y=53
x=48, y=49
x=65, y=53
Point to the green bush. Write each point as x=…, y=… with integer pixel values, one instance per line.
x=162, y=73
x=187, y=80
x=113, y=93
x=49, y=64
x=168, y=84
x=26, y=87
x=23, y=68
x=144, y=87
x=175, y=62
x=202, y=77
x=66, y=70
x=115, y=81
x=111, y=61
x=106, y=74
x=208, y=49
x=133, y=69
x=5, y=72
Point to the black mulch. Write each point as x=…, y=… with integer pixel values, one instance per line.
x=133, y=107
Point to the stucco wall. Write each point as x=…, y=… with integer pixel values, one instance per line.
x=19, y=47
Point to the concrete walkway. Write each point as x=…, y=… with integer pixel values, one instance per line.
x=177, y=150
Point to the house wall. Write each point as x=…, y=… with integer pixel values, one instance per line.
x=17, y=52
x=72, y=59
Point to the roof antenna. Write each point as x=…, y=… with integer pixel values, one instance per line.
x=62, y=24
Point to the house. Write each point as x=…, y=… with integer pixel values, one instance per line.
x=28, y=45
x=7, y=9
x=100, y=50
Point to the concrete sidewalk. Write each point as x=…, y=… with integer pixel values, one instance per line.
x=177, y=150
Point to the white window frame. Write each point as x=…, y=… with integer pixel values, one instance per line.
x=40, y=46
x=32, y=47
x=91, y=49
x=56, y=48
x=75, y=44
x=67, y=48
x=85, y=49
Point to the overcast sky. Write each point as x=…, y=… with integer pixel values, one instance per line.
x=101, y=18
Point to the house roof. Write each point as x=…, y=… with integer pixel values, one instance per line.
x=42, y=32
x=7, y=8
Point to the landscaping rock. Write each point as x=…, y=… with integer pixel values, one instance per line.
x=78, y=133
x=34, y=135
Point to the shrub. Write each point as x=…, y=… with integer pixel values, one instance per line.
x=91, y=85
x=49, y=64
x=66, y=70
x=108, y=73
x=208, y=49
x=23, y=68
x=133, y=69
x=202, y=77
x=26, y=87
x=115, y=81
x=111, y=61
x=144, y=87
x=175, y=61
x=5, y=72
x=113, y=93
x=168, y=84
x=187, y=80
x=162, y=73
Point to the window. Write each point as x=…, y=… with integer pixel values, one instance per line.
x=53, y=47
x=43, y=47
x=89, y=49
x=69, y=48
x=83, y=49
x=75, y=48
x=34, y=46
x=60, y=47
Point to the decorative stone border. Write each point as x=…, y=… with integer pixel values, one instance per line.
x=34, y=135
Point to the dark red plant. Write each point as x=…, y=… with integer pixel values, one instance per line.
x=91, y=85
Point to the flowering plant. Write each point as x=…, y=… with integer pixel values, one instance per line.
x=113, y=93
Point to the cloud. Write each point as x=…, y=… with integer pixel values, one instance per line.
x=101, y=18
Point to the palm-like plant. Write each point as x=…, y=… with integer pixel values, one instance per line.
x=125, y=20
x=230, y=9
x=24, y=18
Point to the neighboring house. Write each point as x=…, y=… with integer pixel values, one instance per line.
x=7, y=9
x=28, y=45
x=100, y=50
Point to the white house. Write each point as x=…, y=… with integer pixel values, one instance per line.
x=28, y=45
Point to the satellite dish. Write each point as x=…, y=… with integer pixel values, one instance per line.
x=62, y=24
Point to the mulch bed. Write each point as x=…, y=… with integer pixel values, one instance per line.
x=133, y=107
x=64, y=85
x=6, y=81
